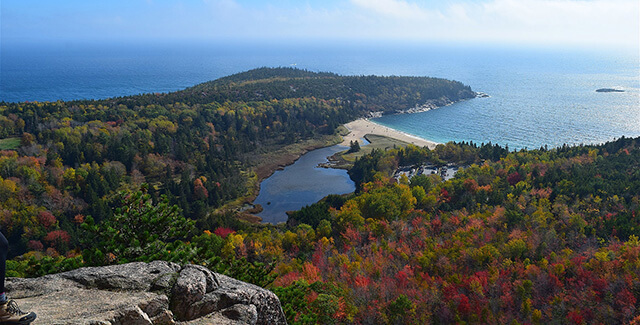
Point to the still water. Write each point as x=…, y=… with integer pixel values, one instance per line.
x=301, y=184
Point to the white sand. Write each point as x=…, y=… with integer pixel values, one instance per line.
x=360, y=128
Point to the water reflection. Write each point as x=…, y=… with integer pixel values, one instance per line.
x=301, y=184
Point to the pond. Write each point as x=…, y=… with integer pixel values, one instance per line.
x=301, y=184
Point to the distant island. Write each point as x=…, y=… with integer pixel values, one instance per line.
x=609, y=90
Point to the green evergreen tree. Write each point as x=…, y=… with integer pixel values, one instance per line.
x=138, y=228
x=354, y=146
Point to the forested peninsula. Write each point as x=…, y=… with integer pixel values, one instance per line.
x=205, y=148
x=535, y=236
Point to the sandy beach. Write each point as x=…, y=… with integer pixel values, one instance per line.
x=359, y=128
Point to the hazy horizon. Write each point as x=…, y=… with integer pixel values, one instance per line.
x=614, y=25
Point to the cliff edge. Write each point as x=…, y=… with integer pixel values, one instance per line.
x=145, y=293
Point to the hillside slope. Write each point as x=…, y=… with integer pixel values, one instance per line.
x=203, y=147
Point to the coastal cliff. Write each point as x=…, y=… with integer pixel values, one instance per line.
x=145, y=293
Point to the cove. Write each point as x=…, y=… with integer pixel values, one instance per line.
x=301, y=184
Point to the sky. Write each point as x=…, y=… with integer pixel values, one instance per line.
x=591, y=23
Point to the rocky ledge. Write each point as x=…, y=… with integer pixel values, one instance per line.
x=145, y=293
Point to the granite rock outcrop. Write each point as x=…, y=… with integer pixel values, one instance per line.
x=145, y=293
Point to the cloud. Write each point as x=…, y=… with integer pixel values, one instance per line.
x=606, y=21
x=535, y=22
x=397, y=9
x=540, y=21
x=238, y=20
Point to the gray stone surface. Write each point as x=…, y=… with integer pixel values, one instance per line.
x=145, y=293
x=188, y=290
x=132, y=276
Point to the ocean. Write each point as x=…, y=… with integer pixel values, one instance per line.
x=537, y=96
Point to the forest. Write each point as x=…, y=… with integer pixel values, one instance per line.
x=200, y=147
x=532, y=236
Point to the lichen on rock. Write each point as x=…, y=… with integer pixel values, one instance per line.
x=145, y=293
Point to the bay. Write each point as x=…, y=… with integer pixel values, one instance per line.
x=538, y=96
x=536, y=100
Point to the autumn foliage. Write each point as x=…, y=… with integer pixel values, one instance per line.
x=529, y=237
x=506, y=243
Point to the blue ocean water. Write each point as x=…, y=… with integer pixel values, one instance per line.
x=538, y=96
x=536, y=99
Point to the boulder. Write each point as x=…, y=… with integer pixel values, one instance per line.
x=145, y=293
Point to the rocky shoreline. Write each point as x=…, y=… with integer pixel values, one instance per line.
x=425, y=107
